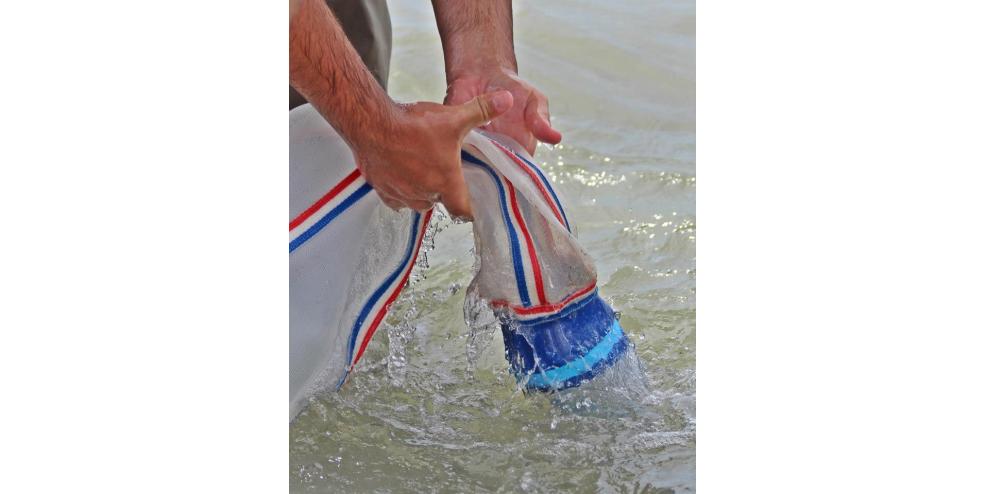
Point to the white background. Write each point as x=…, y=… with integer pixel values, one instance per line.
x=143, y=194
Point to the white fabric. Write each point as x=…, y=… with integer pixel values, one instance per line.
x=367, y=250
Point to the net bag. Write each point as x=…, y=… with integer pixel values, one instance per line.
x=350, y=256
x=557, y=330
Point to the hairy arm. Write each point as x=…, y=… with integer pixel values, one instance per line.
x=477, y=40
x=475, y=35
x=409, y=153
x=327, y=70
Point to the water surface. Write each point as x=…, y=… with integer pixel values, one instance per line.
x=432, y=407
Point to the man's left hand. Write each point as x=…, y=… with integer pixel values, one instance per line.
x=529, y=119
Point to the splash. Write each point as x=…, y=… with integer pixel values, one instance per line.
x=482, y=325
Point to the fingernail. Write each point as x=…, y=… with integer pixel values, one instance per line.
x=502, y=100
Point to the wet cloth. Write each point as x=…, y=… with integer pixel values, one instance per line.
x=557, y=331
x=350, y=256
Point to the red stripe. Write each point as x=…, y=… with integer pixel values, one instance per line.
x=386, y=306
x=523, y=166
x=538, y=280
x=325, y=198
x=541, y=309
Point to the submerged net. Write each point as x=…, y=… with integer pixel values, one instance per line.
x=532, y=270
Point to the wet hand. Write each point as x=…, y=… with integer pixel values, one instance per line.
x=414, y=158
x=527, y=121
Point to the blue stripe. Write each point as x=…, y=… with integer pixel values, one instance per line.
x=564, y=350
x=586, y=364
x=514, y=243
x=334, y=213
x=558, y=339
x=364, y=313
x=549, y=189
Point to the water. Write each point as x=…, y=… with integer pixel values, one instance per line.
x=432, y=406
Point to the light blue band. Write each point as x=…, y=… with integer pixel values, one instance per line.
x=578, y=367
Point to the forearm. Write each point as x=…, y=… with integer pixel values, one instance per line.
x=475, y=35
x=327, y=71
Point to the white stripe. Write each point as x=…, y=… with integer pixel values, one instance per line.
x=527, y=186
x=528, y=317
x=529, y=165
x=379, y=306
x=526, y=261
x=327, y=207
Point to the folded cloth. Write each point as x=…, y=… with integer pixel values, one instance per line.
x=556, y=329
x=350, y=256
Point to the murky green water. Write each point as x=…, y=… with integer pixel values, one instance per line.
x=431, y=407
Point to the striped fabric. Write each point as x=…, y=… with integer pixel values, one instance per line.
x=539, y=180
x=533, y=314
x=318, y=216
x=375, y=309
x=534, y=303
x=339, y=198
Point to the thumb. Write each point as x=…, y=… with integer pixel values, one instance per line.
x=483, y=108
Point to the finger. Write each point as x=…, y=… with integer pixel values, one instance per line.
x=482, y=109
x=538, y=119
x=456, y=198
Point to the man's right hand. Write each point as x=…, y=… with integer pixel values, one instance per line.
x=413, y=159
x=411, y=154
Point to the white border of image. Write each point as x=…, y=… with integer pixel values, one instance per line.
x=144, y=273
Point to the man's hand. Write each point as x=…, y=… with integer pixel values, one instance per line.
x=477, y=39
x=529, y=119
x=410, y=154
x=415, y=160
